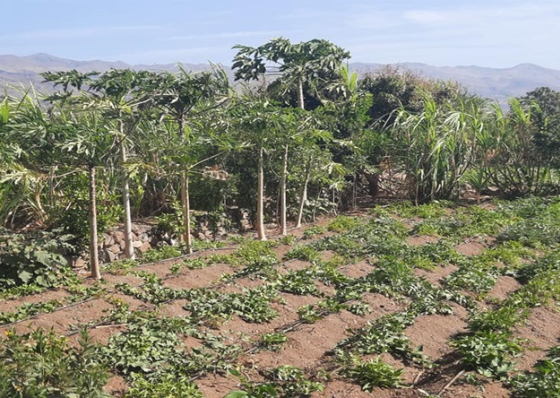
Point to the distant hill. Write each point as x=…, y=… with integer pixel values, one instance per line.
x=486, y=82
x=17, y=71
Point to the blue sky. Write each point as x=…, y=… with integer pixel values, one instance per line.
x=494, y=33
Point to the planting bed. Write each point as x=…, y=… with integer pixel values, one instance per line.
x=396, y=301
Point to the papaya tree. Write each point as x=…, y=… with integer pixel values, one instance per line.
x=255, y=121
x=121, y=93
x=184, y=97
x=314, y=63
x=311, y=62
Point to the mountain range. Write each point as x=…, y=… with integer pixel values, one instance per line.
x=491, y=83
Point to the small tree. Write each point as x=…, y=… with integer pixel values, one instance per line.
x=182, y=96
x=315, y=63
x=255, y=121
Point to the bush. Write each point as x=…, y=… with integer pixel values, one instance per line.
x=42, y=364
x=33, y=259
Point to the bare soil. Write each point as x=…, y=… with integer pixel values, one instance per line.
x=308, y=345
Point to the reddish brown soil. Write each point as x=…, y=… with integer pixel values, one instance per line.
x=357, y=270
x=203, y=277
x=64, y=321
x=503, y=287
x=542, y=332
x=433, y=332
x=437, y=275
x=470, y=248
x=216, y=386
x=57, y=294
x=419, y=240
x=308, y=345
x=116, y=386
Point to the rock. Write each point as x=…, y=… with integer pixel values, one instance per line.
x=140, y=228
x=136, y=244
x=245, y=226
x=108, y=255
x=116, y=249
x=122, y=244
x=78, y=263
x=108, y=240
x=201, y=236
x=144, y=237
x=118, y=236
x=144, y=247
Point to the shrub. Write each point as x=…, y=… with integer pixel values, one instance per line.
x=42, y=364
x=36, y=259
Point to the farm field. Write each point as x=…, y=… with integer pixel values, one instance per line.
x=438, y=300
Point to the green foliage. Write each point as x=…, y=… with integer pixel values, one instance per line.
x=518, y=166
x=254, y=253
x=142, y=349
x=27, y=310
x=292, y=383
x=543, y=382
x=475, y=276
x=34, y=260
x=287, y=240
x=161, y=253
x=430, y=255
x=165, y=386
x=537, y=232
x=374, y=373
x=464, y=223
x=121, y=267
x=359, y=308
x=251, y=306
x=302, y=252
x=435, y=209
x=383, y=335
x=313, y=231
x=488, y=352
x=300, y=282
x=435, y=146
x=499, y=320
x=152, y=290
x=510, y=253
x=273, y=341
x=309, y=314
x=343, y=223
x=42, y=364
x=73, y=218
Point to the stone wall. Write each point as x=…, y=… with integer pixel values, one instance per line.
x=112, y=248
x=146, y=236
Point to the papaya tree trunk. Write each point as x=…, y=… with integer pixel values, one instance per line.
x=261, y=233
x=303, y=196
x=185, y=199
x=283, y=202
x=128, y=249
x=93, y=254
x=186, y=211
x=301, y=101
